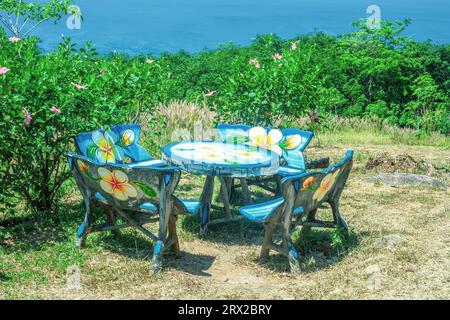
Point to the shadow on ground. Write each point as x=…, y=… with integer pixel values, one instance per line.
x=318, y=248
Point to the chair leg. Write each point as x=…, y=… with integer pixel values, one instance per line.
x=157, y=253
x=173, y=237
x=225, y=197
x=292, y=253
x=338, y=220
x=206, y=199
x=267, y=243
x=232, y=190
x=83, y=229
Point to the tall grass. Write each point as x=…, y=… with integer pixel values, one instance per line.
x=175, y=121
x=375, y=131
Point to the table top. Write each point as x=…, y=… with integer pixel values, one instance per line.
x=221, y=159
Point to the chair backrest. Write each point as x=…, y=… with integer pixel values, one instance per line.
x=123, y=186
x=115, y=146
x=288, y=143
x=310, y=189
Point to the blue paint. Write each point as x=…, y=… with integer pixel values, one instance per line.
x=298, y=211
x=192, y=206
x=261, y=212
x=167, y=178
x=142, y=26
x=348, y=156
x=81, y=230
x=288, y=171
x=101, y=198
x=159, y=245
x=293, y=253
x=296, y=184
x=148, y=207
x=70, y=162
x=205, y=214
x=294, y=157
x=84, y=141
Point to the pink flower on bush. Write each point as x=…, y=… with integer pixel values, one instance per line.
x=294, y=45
x=277, y=56
x=14, y=39
x=255, y=63
x=210, y=94
x=3, y=70
x=28, y=116
x=55, y=109
x=79, y=86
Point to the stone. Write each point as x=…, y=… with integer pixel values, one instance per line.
x=401, y=179
x=390, y=240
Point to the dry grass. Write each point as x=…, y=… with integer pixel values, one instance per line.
x=176, y=121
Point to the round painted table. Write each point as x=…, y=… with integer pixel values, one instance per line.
x=222, y=160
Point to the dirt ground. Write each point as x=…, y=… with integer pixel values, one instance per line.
x=399, y=248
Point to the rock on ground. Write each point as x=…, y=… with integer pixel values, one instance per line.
x=401, y=179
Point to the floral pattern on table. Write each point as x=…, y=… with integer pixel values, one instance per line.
x=220, y=153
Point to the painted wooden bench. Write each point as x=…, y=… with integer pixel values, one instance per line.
x=113, y=170
x=301, y=196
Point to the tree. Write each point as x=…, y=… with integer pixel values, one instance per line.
x=19, y=13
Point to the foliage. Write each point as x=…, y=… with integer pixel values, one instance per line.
x=48, y=99
x=285, y=83
x=20, y=12
x=174, y=121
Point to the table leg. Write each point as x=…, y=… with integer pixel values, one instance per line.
x=225, y=196
x=246, y=191
x=206, y=200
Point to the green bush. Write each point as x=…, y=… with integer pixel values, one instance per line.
x=48, y=99
x=287, y=82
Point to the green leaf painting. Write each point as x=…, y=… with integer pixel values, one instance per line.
x=148, y=190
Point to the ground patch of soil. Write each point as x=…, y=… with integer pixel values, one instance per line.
x=387, y=162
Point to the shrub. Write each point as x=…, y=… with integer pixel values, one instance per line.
x=48, y=99
x=285, y=83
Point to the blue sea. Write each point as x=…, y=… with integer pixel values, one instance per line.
x=154, y=26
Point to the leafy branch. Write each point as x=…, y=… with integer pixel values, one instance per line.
x=16, y=14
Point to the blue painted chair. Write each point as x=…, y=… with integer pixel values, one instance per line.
x=288, y=143
x=118, y=145
x=115, y=171
x=301, y=196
